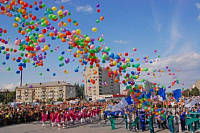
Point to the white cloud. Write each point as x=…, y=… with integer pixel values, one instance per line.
x=10, y=45
x=9, y=86
x=174, y=38
x=188, y=64
x=198, y=5
x=86, y=8
x=156, y=17
x=65, y=1
x=121, y=41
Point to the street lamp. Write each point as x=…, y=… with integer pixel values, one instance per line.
x=85, y=90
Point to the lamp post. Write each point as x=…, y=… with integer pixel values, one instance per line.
x=85, y=90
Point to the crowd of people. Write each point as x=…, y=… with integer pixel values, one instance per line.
x=175, y=118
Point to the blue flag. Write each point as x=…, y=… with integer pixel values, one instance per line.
x=177, y=94
x=128, y=100
x=161, y=92
x=149, y=95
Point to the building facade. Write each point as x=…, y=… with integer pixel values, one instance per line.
x=49, y=91
x=97, y=83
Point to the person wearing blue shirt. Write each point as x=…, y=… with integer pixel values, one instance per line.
x=142, y=120
x=182, y=120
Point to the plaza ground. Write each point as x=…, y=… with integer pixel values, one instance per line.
x=88, y=128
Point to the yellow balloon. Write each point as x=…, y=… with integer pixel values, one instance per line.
x=142, y=69
x=78, y=51
x=114, y=63
x=28, y=60
x=78, y=31
x=87, y=39
x=15, y=25
x=128, y=59
x=65, y=71
x=41, y=36
x=137, y=76
x=19, y=10
x=65, y=24
x=60, y=12
x=94, y=29
x=54, y=8
x=17, y=19
x=76, y=39
x=46, y=47
x=77, y=56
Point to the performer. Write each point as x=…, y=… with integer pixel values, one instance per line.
x=142, y=120
x=171, y=122
x=126, y=119
x=44, y=118
x=182, y=116
x=190, y=127
x=52, y=119
x=150, y=120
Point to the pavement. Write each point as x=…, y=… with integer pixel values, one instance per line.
x=87, y=128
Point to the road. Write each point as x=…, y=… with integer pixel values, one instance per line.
x=88, y=128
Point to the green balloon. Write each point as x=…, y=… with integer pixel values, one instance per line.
x=8, y=69
x=40, y=74
x=60, y=58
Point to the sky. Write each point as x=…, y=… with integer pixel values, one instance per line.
x=171, y=27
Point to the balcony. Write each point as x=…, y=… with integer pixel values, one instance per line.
x=60, y=96
x=43, y=90
x=60, y=89
x=50, y=96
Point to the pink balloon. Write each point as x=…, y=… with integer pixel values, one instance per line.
x=92, y=47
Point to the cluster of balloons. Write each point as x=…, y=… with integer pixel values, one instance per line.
x=33, y=46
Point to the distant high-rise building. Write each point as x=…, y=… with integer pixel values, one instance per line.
x=103, y=85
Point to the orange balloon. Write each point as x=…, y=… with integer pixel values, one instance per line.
x=62, y=7
x=63, y=40
x=35, y=2
x=69, y=20
x=51, y=34
x=97, y=65
x=22, y=32
x=22, y=2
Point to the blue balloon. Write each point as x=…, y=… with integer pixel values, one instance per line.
x=3, y=63
x=75, y=70
x=48, y=69
x=17, y=72
x=54, y=74
x=131, y=60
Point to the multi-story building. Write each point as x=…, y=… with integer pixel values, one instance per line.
x=103, y=85
x=49, y=91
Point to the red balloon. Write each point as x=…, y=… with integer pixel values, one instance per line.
x=44, y=31
x=34, y=17
x=138, y=68
x=98, y=10
x=126, y=54
x=20, y=68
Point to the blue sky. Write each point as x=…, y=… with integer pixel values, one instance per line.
x=170, y=27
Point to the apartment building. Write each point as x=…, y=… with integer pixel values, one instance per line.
x=48, y=91
x=103, y=84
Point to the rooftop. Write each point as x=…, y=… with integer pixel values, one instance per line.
x=45, y=84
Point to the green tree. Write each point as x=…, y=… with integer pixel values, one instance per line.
x=79, y=90
x=59, y=99
x=11, y=96
x=2, y=98
x=186, y=93
x=194, y=92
